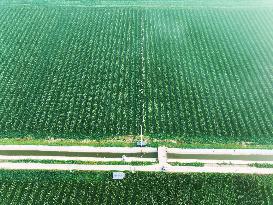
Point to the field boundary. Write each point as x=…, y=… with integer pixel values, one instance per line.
x=148, y=168
x=212, y=165
x=79, y=148
x=127, y=141
x=144, y=4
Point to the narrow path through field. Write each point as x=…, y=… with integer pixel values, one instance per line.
x=143, y=77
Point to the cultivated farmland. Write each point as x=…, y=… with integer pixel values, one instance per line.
x=194, y=71
x=139, y=188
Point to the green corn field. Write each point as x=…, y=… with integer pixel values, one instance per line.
x=43, y=187
x=191, y=70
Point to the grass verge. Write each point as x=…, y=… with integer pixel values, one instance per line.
x=130, y=141
x=133, y=163
x=194, y=164
x=261, y=165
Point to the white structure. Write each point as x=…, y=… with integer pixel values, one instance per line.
x=118, y=175
x=162, y=155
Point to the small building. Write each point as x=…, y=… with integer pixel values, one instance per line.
x=118, y=175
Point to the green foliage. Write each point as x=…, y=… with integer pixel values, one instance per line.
x=129, y=141
x=133, y=163
x=198, y=71
x=209, y=78
x=24, y=187
x=73, y=74
x=195, y=164
x=261, y=165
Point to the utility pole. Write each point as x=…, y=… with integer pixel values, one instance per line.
x=141, y=135
x=141, y=143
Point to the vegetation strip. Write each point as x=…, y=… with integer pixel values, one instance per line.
x=195, y=164
x=261, y=165
x=127, y=141
x=79, y=149
x=134, y=168
x=133, y=163
x=143, y=3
